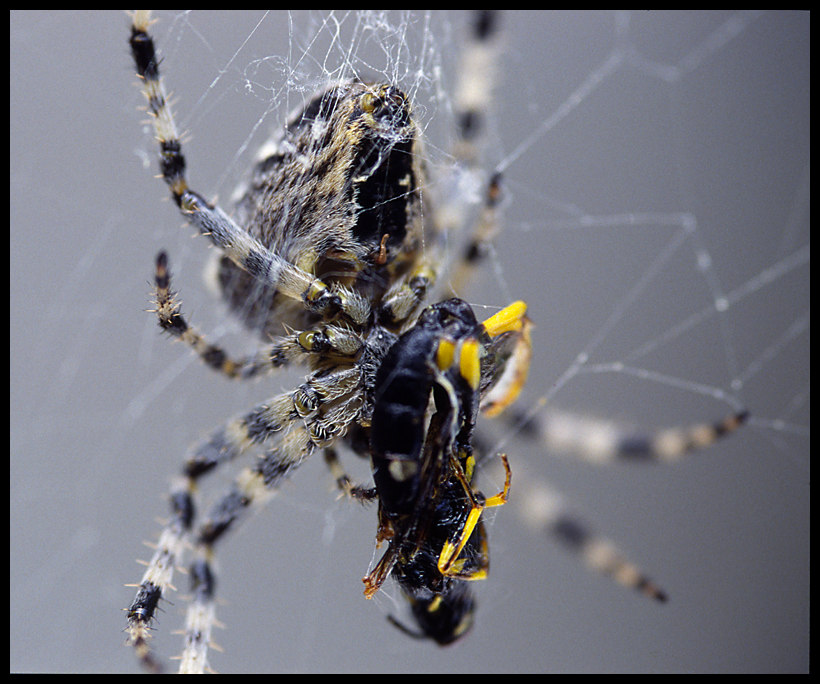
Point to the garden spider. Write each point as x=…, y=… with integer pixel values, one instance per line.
x=335, y=239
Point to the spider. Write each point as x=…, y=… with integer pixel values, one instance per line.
x=335, y=239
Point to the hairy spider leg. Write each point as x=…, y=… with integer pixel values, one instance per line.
x=319, y=402
x=298, y=347
x=603, y=442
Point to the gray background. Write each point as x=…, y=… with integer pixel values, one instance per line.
x=103, y=408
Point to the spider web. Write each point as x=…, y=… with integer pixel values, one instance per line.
x=656, y=221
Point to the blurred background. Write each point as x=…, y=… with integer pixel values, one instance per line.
x=656, y=221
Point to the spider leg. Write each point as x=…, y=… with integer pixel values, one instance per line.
x=210, y=220
x=403, y=298
x=171, y=320
x=253, y=487
x=304, y=403
x=474, y=91
x=159, y=573
x=335, y=397
x=357, y=492
x=600, y=441
x=546, y=512
x=288, y=349
x=479, y=243
x=306, y=417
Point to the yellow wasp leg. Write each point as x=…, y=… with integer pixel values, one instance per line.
x=451, y=549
